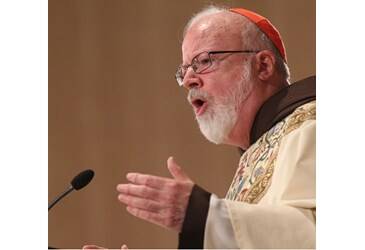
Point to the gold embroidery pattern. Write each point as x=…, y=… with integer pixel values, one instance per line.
x=256, y=191
x=301, y=115
x=256, y=166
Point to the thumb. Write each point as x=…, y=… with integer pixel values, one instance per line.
x=124, y=247
x=176, y=171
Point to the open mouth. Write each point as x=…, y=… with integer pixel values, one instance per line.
x=199, y=106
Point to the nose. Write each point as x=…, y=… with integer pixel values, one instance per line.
x=191, y=80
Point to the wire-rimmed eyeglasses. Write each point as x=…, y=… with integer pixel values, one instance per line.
x=202, y=62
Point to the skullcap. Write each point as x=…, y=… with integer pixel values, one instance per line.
x=265, y=26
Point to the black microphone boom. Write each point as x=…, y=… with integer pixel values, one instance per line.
x=78, y=182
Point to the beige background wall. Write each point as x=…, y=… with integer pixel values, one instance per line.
x=114, y=107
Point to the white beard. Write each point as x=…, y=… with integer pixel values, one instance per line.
x=218, y=120
x=222, y=113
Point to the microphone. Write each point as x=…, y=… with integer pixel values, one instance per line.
x=78, y=182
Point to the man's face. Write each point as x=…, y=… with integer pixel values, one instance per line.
x=217, y=93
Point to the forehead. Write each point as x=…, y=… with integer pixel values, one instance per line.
x=213, y=32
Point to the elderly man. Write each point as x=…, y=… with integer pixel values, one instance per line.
x=234, y=66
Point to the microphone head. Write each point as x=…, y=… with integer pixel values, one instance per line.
x=82, y=179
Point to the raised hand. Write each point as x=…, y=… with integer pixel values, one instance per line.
x=159, y=200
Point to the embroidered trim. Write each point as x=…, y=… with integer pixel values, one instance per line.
x=256, y=166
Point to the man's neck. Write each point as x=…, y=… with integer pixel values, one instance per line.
x=240, y=134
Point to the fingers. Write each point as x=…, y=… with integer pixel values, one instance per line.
x=156, y=181
x=92, y=247
x=141, y=203
x=159, y=200
x=86, y=247
x=138, y=190
x=176, y=171
x=148, y=180
x=144, y=192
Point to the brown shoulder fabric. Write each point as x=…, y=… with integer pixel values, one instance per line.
x=281, y=105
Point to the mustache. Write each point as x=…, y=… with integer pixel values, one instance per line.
x=198, y=94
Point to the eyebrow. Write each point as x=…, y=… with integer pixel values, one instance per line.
x=194, y=58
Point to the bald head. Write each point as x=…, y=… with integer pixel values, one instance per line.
x=221, y=18
x=237, y=26
x=209, y=29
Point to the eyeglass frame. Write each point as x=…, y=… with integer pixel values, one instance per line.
x=180, y=78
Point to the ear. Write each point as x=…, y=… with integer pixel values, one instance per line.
x=265, y=64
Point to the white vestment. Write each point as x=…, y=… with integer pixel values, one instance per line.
x=271, y=202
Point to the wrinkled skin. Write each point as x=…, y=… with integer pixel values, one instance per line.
x=159, y=200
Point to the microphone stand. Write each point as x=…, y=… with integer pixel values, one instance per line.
x=70, y=189
x=78, y=182
x=54, y=202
